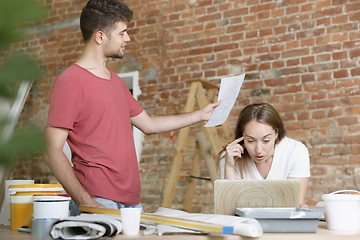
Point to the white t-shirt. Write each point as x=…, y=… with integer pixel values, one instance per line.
x=291, y=159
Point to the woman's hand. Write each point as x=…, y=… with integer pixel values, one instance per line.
x=233, y=151
x=303, y=205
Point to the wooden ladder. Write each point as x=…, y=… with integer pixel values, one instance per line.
x=196, y=96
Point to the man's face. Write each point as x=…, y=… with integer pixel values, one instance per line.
x=115, y=41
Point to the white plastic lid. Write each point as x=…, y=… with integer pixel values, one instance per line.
x=341, y=197
x=50, y=198
x=13, y=189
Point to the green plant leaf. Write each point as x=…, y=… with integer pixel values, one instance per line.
x=24, y=143
x=20, y=67
x=27, y=141
x=5, y=89
x=9, y=36
x=13, y=12
x=16, y=11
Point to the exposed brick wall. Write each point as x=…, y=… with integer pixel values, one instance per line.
x=302, y=56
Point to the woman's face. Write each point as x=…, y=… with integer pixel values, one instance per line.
x=259, y=140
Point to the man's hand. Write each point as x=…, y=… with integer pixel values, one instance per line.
x=207, y=111
x=91, y=202
x=61, y=167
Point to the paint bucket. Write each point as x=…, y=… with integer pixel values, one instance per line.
x=342, y=211
x=21, y=203
x=46, y=206
x=5, y=209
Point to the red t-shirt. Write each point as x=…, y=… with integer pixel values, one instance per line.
x=97, y=113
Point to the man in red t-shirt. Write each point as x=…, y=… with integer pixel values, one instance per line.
x=92, y=109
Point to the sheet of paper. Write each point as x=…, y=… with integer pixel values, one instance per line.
x=229, y=90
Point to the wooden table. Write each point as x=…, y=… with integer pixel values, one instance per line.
x=322, y=234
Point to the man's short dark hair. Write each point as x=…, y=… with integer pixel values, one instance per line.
x=101, y=15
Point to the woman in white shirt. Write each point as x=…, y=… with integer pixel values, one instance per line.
x=262, y=151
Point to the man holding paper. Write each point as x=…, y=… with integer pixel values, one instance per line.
x=92, y=109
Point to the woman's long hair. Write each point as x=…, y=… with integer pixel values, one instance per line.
x=262, y=113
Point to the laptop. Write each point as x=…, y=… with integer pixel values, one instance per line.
x=232, y=194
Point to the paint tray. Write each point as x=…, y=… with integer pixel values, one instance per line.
x=283, y=219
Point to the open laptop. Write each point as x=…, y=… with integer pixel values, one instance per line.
x=231, y=194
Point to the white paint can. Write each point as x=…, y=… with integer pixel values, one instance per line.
x=21, y=203
x=342, y=211
x=47, y=206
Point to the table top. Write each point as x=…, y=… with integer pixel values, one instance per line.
x=322, y=234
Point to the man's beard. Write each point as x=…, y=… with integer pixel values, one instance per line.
x=114, y=55
x=111, y=53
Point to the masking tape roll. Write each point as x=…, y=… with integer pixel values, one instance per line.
x=42, y=226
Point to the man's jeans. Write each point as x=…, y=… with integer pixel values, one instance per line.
x=74, y=209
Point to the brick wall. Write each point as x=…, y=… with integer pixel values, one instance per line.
x=302, y=56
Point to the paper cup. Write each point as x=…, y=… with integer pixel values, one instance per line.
x=130, y=218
